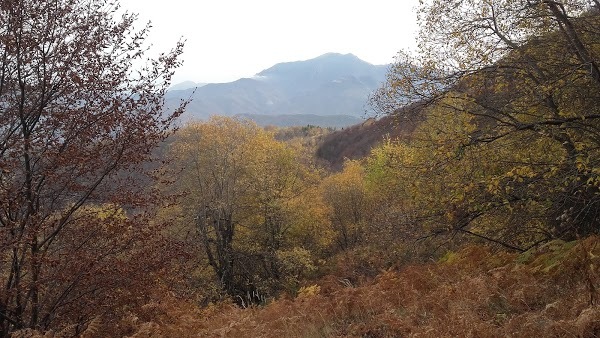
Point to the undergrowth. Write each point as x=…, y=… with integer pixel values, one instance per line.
x=548, y=292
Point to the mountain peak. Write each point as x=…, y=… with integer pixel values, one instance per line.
x=331, y=63
x=338, y=56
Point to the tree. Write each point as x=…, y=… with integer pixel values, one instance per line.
x=214, y=159
x=350, y=202
x=240, y=188
x=77, y=121
x=523, y=70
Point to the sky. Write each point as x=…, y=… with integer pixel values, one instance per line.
x=230, y=39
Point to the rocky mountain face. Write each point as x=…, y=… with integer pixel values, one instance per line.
x=331, y=84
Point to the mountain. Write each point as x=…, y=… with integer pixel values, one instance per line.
x=331, y=84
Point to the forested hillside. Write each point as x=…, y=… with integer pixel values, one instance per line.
x=357, y=141
x=470, y=206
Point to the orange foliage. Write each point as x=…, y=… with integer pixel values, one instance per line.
x=472, y=293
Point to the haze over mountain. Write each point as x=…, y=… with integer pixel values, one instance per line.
x=186, y=85
x=331, y=84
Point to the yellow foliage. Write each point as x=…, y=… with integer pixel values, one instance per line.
x=308, y=291
x=247, y=195
x=350, y=203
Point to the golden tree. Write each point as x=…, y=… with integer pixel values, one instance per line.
x=240, y=189
x=350, y=202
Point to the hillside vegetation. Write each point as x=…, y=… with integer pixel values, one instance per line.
x=357, y=141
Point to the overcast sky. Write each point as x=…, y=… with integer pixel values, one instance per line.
x=230, y=39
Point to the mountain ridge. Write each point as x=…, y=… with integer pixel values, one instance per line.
x=330, y=84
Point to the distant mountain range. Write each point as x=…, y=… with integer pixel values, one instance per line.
x=332, y=86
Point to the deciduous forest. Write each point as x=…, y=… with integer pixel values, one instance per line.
x=469, y=206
